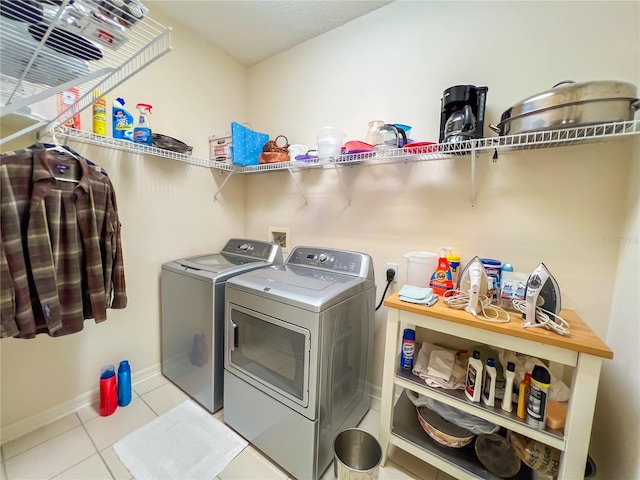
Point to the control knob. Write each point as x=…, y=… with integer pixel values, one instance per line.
x=322, y=257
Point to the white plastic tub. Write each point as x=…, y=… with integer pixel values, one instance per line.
x=420, y=267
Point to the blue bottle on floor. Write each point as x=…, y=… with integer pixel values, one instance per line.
x=124, y=384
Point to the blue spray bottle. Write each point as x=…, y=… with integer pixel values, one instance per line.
x=142, y=132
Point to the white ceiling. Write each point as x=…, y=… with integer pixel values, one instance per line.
x=252, y=31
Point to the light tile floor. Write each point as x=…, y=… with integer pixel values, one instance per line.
x=80, y=445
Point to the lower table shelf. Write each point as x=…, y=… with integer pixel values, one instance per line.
x=460, y=462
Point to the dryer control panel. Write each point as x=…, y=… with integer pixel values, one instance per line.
x=342, y=261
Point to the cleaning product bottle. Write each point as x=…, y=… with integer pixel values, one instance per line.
x=507, y=402
x=441, y=278
x=408, y=349
x=108, y=391
x=489, y=385
x=454, y=266
x=142, y=132
x=473, y=385
x=523, y=396
x=538, y=396
x=99, y=114
x=124, y=383
x=122, y=121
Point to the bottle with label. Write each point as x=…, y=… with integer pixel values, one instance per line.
x=124, y=383
x=441, y=278
x=108, y=390
x=493, y=268
x=538, y=397
x=454, y=266
x=408, y=349
x=142, y=132
x=489, y=385
x=507, y=398
x=99, y=114
x=122, y=121
x=473, y=384
x=523, y=396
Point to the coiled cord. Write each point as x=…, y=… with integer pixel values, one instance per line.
x=459, y=300
x=543, y=319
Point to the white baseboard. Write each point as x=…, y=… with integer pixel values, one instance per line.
x=39, y=420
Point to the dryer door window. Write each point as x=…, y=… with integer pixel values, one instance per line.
x=273, y=353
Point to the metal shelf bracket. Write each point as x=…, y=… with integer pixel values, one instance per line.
x=215, y=197
x=343, y=185
x=306, y=202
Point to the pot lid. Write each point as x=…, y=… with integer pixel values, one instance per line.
x=569, y=92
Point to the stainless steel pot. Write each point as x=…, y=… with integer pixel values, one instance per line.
x=569, y=104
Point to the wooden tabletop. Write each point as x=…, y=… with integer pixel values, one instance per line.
x=580, y=339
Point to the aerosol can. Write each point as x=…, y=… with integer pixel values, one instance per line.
x=142, y=132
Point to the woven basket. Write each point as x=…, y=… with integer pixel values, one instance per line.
x=272, y=146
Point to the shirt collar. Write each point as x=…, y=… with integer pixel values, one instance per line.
x=42, y=168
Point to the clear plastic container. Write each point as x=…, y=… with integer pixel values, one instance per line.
x=420, y=267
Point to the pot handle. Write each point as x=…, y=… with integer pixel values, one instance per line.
x=635, y=105
x=563, y=82
x=494, y=128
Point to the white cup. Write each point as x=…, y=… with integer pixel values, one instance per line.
x=297, y=149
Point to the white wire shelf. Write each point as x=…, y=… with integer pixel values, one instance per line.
x=50, y=69
x=523, y=141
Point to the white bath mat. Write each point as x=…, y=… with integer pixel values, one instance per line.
x=185, y=443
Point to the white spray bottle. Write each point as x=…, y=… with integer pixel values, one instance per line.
x=142, y=132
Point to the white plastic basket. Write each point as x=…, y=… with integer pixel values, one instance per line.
x=220, y=148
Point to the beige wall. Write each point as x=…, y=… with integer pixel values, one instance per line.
x=167, y=211
x=560, y=206
x=555, y=206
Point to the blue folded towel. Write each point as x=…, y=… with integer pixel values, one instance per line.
x=418, y=295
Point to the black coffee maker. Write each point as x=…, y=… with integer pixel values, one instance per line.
x=462, y=113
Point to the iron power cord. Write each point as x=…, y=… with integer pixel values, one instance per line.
x=490, y=313
x=544, y=318
x=390, y=276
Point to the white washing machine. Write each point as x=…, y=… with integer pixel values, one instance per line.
x=299, y=340
x=192, y=325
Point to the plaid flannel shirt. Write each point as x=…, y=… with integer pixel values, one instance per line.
x=61, y=245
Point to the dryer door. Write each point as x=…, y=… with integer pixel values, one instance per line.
x=271, y=354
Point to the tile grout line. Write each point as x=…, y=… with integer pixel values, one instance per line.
x=5, y=460
x=96, y=447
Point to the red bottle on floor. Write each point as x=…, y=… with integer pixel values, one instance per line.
x=108, y=390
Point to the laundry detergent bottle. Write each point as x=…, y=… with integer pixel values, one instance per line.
x=441, y=279
x=142, y=132
x=122, y=121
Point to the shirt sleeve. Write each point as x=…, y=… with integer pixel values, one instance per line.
x=119, y=294
x=8, y=326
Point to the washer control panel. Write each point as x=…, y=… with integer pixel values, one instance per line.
x=250, y=248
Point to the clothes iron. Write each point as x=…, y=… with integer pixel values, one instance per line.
x=542, y=291
x=473, y=281
x=542, y=302
x=471, y=294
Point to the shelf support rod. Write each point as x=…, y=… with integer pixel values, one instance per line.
x=343, y=185
x=215, y=197
x=473, y=177
x=54, y=21
x=298, y=185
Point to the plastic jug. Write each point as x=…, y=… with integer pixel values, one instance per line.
x=108, y=390
x=124, y=384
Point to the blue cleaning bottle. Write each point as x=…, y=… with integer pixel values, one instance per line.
x=124, y=384
x=142, y=132
x=122, y=121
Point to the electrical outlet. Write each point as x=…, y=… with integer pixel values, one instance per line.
x=280, y=235
x=394, y=267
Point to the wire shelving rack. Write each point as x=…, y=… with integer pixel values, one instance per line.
x=41, y=61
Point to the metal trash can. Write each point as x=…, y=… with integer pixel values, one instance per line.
x=357, y=455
